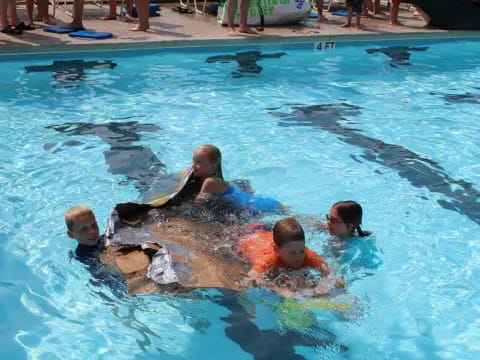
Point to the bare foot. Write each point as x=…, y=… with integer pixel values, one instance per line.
x=129, y=18
x=139, y=28
x=49, y=21
x=346, y=25
x=360, y=27
x=232, y=31
x=109, y=17
x=322, y=18
x=73, y=25
x=247, y=30
x=396, y=23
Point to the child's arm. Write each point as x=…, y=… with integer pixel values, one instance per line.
x=257, y=279
x=211, y=185
x=328, y=282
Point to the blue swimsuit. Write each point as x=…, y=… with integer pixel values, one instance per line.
x=241, y=198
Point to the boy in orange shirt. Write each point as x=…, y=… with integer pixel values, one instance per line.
x=283, y=248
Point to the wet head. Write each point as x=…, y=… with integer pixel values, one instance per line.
x=345, y=218
x=206, y=161
x=82, y=226
x=336, y=225
x=289, y=240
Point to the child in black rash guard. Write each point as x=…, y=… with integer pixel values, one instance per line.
x=82, y=226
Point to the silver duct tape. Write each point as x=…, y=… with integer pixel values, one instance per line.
x=161, y=269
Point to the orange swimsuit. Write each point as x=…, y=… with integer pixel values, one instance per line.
x=259, y=249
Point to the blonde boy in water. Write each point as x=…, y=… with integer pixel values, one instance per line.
x=82, y=226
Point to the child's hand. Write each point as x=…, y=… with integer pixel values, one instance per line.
x=286, y=293
x=340, y=283
x=321, y=290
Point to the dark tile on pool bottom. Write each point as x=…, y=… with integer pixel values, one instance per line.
x=113, y=133
x=73, y=143
x=461, y=196
x=136, y=162
x=269, y=343
x=467, y=98
x=70, y=70
x=399, y=55
x=247, y=61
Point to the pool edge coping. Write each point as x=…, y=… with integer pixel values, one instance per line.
x=267, y=40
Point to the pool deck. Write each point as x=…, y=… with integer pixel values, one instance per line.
x=173, y=29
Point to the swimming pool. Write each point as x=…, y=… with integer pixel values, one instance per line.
x=393, y=128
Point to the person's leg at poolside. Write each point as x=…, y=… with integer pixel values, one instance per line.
x=243, y=27
x=358, y=20
x=367, y=7
x=9, y=18
x=128, y=8
x=77, y=21
x=143, y=11
x=29, y=6
x=112, y=13
x=12, y=13
x=348, y=21
x=43, y=15
x=358, y=7
x=231, y=8
x=394, y=13
x=3, y=14
x=321, y=17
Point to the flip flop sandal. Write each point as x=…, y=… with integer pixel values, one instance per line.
x=23, y=26
x=182, y=10
x=11, y=30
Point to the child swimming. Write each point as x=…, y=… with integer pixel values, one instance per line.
x=207, y=166
x=345, y=219
x=284, y=247
x=82, y=226
x=348, y=244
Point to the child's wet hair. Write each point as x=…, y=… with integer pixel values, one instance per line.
x=287, y=230
x=351, y=213
x=75, y=212
x=215, y=156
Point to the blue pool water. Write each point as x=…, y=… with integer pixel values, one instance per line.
x=400, y=136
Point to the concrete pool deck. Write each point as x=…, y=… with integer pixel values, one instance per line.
x=173, y=29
